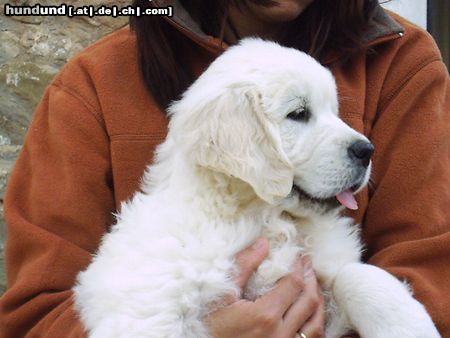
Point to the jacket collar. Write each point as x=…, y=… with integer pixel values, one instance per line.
x=383, y=28
x=181, y=17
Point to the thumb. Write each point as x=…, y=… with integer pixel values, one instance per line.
x=249, y=259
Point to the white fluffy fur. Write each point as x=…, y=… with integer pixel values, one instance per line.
x=222, y=178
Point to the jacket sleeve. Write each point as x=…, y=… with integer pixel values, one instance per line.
x=57, y=206
x=407, y=222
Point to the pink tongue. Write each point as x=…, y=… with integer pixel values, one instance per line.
x=347, y=200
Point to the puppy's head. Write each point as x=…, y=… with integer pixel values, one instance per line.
x=267, y=115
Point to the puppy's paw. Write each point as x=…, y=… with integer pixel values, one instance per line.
x=380, y=306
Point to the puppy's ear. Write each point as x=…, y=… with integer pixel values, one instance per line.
x=237, y=139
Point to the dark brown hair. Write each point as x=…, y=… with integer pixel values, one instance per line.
x=325, y=25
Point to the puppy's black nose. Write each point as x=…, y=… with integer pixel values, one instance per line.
x=361, y=151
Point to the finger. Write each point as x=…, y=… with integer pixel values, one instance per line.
x=314, y=326
x=286, y=291
x=249, y=259
x=306, y=305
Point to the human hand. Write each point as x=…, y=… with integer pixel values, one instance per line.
x=295, y=304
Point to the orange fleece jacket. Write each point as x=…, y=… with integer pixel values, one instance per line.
x=96, y=128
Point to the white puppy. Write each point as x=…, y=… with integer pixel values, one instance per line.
x=255, y=148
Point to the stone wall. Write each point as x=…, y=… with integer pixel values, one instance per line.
x=33, y=49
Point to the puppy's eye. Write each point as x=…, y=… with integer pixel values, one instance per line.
x=300, y=114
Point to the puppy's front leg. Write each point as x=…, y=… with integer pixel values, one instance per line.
x=380, y=306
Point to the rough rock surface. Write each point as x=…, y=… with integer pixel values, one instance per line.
x=33, y=49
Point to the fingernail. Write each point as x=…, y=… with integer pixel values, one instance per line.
x=259, y=243
x=306, y=260
x=307, y=266
x=308, y=273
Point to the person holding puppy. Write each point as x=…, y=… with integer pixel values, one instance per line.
x=99, y=121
